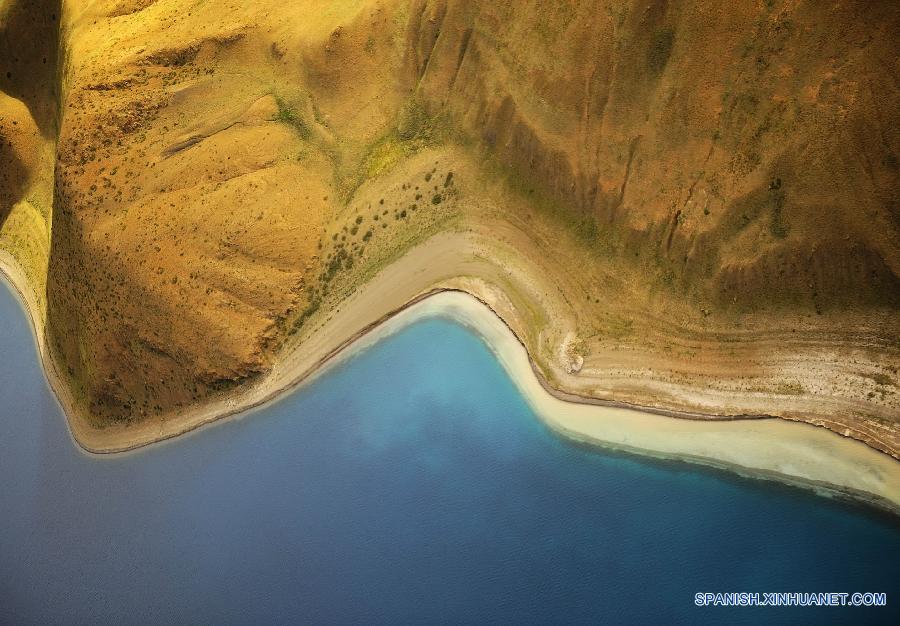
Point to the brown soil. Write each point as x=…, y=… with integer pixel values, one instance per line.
x=688, y=207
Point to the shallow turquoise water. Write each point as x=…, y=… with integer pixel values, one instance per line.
x=412, y=484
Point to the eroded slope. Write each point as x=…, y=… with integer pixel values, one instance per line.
x=710, y=191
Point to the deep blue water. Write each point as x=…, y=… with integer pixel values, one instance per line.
x=412, y=484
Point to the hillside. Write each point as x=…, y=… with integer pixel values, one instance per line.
x=672, y=203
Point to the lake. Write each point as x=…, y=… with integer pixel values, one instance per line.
x=410, y=484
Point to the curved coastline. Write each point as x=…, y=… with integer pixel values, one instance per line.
x=748, y=445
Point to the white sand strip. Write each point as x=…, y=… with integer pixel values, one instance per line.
x=791, y=452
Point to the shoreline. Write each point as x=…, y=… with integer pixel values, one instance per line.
x=821, y=460
x=582, y=420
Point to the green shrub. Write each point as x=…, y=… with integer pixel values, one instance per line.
x=660, y=50
x=288, y=115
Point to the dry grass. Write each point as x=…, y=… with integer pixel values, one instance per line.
x=227, y=174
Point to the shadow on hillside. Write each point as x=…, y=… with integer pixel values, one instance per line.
x=13, y=176
x=29, y=59
x=29, y=54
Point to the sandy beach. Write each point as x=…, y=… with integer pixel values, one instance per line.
x=789, y=451
x=783, y=450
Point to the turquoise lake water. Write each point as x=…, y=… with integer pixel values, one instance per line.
x=412, y=484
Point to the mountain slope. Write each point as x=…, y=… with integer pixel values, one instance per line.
x=685, y=205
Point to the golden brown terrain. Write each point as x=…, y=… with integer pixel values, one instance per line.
x=685, y=205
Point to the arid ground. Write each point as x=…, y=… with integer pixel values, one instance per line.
x=679, y=204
